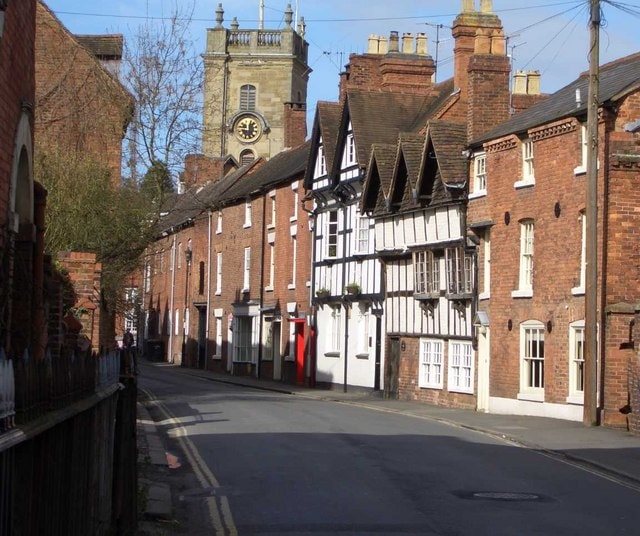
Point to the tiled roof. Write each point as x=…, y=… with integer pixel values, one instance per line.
x=616, y=79
x=103, y=46
x=449, y=141
x=379, y=176
x=329, y=117
x=378, y=117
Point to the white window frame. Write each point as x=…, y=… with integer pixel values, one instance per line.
x=177, y=322
x=580, y=289
x=350, y=150
x=362, y=234
x=272, y=200
x=321, y=162
x=291, y=356
x=179, y=255
x=486, y=266
x=460, y=375
x=296, y=201
x=331, y=234
x=525, y=275
x=272, y=266
x=479, y=175
x=363, y=348
x=187, y=316
x=218, y=353
x=336, y=329
x=532, y=358
x=219, y=223
x=294, y=261
x=426, y=270
x=218, y=273
x=246, y=270
x=576, y=362
x=459, y=266
x=581, y=169
x=430, y=371
x=247, y=214
x=528, y=163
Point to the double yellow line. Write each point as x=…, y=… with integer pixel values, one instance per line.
x=217, y=506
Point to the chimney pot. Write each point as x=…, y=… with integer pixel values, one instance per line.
x=533, y=83
x=407, y=43
x=421, y=44
x=520, y=83
x=374, y=42
x=394, y=42
x=468, y=6
x=486, y=6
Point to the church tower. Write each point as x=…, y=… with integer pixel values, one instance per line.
x=255, y=90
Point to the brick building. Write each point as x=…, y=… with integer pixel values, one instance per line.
x=527, y=211
x=235, y=248
x=21, y=199
x=81, y=107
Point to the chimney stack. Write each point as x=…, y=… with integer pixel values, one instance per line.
x=394, y=45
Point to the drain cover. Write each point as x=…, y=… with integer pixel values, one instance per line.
x=500, y=496
x=505, y=496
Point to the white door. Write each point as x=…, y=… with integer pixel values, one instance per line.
x=483, y=369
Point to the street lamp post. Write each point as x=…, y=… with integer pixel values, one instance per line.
x=188, y=254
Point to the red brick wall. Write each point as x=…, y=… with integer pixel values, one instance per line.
x=79, y=106
x=488, y=93
x=409, y=388
x=85, y=274
x=295, y=124
x=200, y=169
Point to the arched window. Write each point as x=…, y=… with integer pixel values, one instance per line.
x=247, y=97
x=246, y=157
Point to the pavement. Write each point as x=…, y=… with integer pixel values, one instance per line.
x=611, y=453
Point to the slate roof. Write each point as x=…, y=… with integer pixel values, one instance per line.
x=247, y=181
x=103, y=46
x=616, y=79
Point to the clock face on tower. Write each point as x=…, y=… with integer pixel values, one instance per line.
x=248, y=129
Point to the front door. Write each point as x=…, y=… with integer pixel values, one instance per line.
x=275, y=350
x=202, y=337
x=391, y=377
x=378, y=353
x=483, y=368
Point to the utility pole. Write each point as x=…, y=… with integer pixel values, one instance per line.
x=590, y=411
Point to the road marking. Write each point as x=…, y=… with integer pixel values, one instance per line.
x=204, y=475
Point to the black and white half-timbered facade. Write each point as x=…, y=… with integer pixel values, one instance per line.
x=347, y=282
x=415, y=193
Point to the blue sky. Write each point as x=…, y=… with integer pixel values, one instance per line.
x=547, y=35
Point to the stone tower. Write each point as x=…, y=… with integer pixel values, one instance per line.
x=255, y=90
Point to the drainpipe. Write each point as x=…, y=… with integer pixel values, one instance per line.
x=171, y=299
x=207, y=322
x=260, y=316
x=346, y=306
x=312, y=308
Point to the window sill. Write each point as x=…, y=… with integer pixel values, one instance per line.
x=439, y=387
x=291, y=286
x=476, y=195
x=268, y=289
x=531, y=397
x=332, y=354
x=245, y=291
x=522, y=183
x=577, y=291
x=426, y=296
x=577, y=400
x=246, y=226
x=217, y=357
x=362, y=356
x=484, y=296
x=580, y=170
x=293, y=218
x=525, y=293
x=271, y=226
x=218, y=293
x=461, y=390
